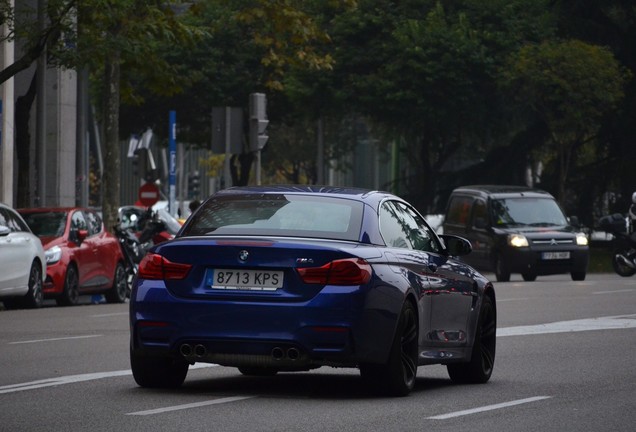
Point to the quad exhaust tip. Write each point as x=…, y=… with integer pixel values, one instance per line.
x=277, y=353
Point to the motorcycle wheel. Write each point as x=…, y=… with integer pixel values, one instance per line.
x=621, y=268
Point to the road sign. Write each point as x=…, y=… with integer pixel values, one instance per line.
x=148, y=194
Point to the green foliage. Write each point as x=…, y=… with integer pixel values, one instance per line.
x=571, y=84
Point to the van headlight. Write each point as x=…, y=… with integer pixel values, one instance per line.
x=53, y=255
x=581, y=239
x=517, y=240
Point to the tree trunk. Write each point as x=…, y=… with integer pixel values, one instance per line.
x=110, y=138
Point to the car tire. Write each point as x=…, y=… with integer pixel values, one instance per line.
x=501, y=270
x=479, y=369
x=397, y=376
x=257, y=371
x=70, y=293
x=529, y=277
x=34, y=297
x=578, y=276
x=119, y=290
x=157, y=372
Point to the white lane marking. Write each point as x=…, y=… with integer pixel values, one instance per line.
x=53, y=339
x=602, y=323
x=60, y=380
x=109, y=314
x=512, y=299
x=191, y=405
x=488, y=408
x=615, y=291
x=70, y=379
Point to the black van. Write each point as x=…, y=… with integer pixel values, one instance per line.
x=515, y=229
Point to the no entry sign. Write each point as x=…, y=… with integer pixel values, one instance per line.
x=148, y=194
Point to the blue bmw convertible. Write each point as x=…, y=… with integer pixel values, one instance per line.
x=291, y=278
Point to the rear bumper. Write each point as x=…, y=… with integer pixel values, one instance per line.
x=334, y=328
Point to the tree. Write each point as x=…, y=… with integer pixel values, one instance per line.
x=59, y=20
x=117, y=39
x=571, y=85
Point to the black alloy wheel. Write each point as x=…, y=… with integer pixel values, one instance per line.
x=397, y=376
x=157, y=372
x=479, y=369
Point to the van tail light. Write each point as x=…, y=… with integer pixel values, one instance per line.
x=157, y=267
x=350, y=271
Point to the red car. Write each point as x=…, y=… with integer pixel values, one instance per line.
x=81, y=256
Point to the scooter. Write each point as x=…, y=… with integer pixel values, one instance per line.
x=624, y=253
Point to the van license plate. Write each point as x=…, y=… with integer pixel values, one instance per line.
x=555, y=255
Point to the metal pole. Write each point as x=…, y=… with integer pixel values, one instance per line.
x=258, y=167
x=227, y=174
x=320, y=157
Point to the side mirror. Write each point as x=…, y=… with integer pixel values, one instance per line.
x=4, y=231
x=456, y=246
x=574, y=221
x=81, y=235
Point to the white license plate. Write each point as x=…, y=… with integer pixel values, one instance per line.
x=555, y=255
x=236, y=279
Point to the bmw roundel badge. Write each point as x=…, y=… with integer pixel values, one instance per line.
x=244, y=255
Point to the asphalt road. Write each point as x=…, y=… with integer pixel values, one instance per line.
x=565, y=362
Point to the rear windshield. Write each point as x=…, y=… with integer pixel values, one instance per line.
x=527, y=211
x=278, y=214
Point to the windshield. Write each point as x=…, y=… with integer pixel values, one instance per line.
x=278, y=214
x=527, y=211
x=46, y=224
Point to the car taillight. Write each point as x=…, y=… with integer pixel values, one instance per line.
x=157, y=267
x=350, y=271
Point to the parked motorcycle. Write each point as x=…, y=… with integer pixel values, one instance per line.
x=153, y=232
x=624, y=253
x=132, y=252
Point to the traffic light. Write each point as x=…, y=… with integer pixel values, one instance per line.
x=144, y=165
x=140, y=162
x=194, y=184
x=258, y=121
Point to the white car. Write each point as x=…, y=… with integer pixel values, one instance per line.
x=22, y=262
